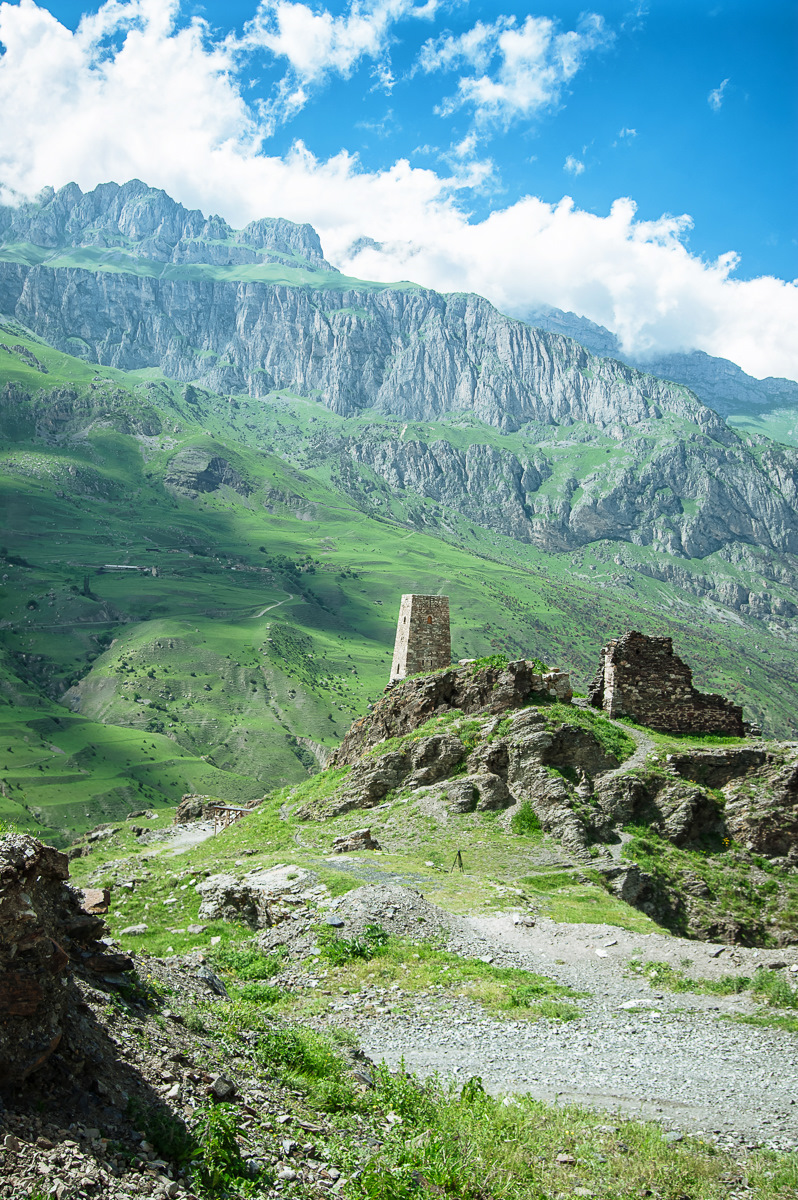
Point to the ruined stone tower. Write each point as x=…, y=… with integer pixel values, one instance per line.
x=422, y=636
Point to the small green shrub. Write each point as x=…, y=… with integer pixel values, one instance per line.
x=310, y=1060
x=338, y=950
x=774, y=988
x=245, y=962
x=525, y=821
x=258, y=993
x=556, y=1010
x=488, y=660
x=218, y=1167
x=527, y=994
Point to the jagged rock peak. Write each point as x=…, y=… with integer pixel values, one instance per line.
x=135, y=217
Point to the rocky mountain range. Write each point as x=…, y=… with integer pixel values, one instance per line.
x=229, y=378
x=666, y=470
x=717, y=382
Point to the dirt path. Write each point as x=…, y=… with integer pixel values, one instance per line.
x=676, y=1057
x=269, y=607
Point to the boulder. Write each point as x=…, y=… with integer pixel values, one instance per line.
x=260, y=899
x=191, y=808
x=358, y=839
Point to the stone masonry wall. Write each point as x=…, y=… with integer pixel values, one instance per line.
x=640, y=677
x=423, y=641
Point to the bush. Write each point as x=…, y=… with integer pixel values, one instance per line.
x=258, y=993
x=774, y=988
x=311, y=1060
x=218, y=1167
x=525, y=820
x=246, y=962
x=338, y=950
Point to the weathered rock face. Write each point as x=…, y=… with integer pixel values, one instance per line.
x=762, y=810
x=687, y=497
x=717, y=382
x=191, y=808
x=261, y=899
x=411, y=703
x=358, y=839
x=407, y=352
x=685, y=815
x=195, y=469
x=46, y=929
x=640, y=677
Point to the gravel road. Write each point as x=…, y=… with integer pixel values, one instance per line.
x=673, y=1057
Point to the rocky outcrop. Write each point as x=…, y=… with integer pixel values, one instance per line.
x=762, y=808
x=640, y=677
x=261, y=899
x=192, y=807
x=730, y=803
x=685, y=815
x=688, y=497
x=195, y=469
x=358, y=839
x=489, y=486
x=409, y=704
x=47, y=931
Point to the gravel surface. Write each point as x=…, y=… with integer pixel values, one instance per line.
x=670, y=1056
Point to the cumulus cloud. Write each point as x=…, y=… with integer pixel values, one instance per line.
x=573, y=166
x=132, y=93
x=715, y=97
x=316, y=43
x=516, y=71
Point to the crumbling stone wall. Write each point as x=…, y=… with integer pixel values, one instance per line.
x=640, y=677
x=423, y=640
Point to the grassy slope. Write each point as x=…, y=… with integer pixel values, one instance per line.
x=232, y=652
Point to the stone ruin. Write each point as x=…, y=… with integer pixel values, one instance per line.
x=423, y=641
x=640, y=677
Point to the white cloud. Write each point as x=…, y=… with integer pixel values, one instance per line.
x=517, y=70
x=715, y=97
x=316, y=44
x=573, y=166
x=131, y=95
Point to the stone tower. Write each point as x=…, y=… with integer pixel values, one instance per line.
x=423, y=642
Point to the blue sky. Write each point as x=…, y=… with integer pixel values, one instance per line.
x=450, y=132
x=637, y=116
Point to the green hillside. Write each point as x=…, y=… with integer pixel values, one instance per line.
x=158, y=639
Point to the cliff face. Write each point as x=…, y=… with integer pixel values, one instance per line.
x=414, y=354
x=681, y=480
x=718, y=383
x=685, y=498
